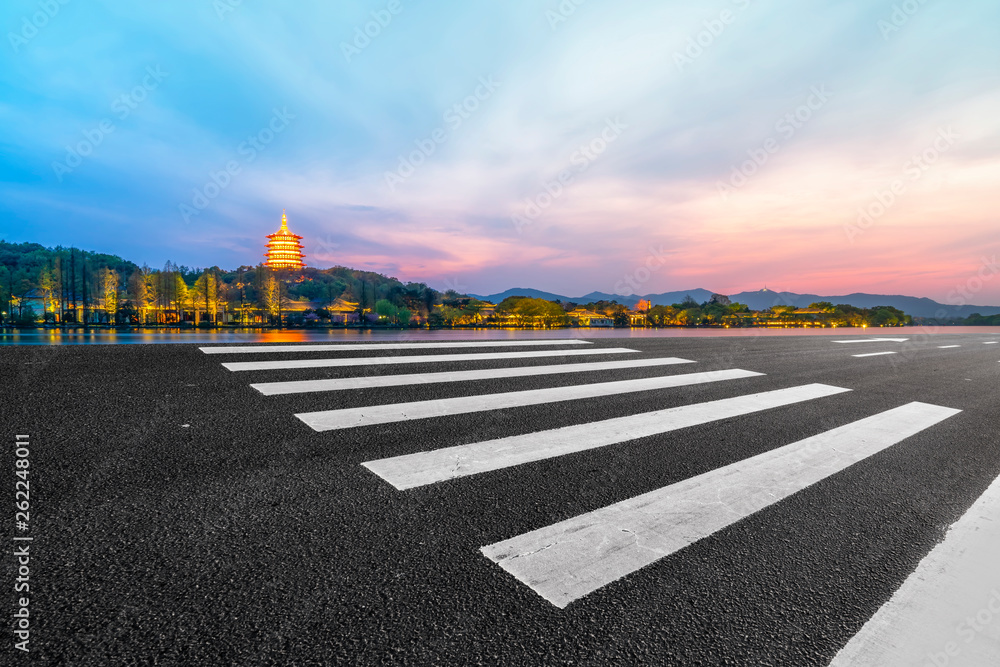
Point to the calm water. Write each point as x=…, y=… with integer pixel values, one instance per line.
x=160, y=336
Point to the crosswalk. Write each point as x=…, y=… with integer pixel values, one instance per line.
x=438, y=465
x=573, y=558
x=429, y=345
x=567, y=560
x=414, y=359
x=328, y=420
x=342, y=384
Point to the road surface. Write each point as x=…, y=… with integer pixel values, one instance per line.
x=684, y=501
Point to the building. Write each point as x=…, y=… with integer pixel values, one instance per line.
x=588, y=318
x=343, y=311
x=283, y=249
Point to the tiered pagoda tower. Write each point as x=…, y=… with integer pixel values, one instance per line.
x=283, y=248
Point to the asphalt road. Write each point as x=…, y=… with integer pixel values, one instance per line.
x=180, y=516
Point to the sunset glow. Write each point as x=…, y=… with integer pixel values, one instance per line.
x=825, y=148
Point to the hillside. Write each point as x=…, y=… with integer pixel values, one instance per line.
x=764, y=299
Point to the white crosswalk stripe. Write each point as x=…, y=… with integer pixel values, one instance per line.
x=416, y=359
x=873, y=340
x=567, y=560
x=374, y=346
x=326, y=420
x=872, y=354
x=412, y=470
x=341, y=384
x=947, y=611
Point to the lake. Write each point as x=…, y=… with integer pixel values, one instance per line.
x=168, y=336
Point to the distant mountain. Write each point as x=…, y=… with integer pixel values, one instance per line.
x=763, y=299
x=666, y=299
x=520, y=291
x=911, y=305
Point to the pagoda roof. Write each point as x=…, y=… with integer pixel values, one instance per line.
x=283, y=230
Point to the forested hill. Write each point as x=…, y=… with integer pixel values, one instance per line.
x=61, y=272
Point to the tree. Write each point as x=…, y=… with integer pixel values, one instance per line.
x=84, y=287
x=149, y=279
x=714, y=312
x=26, y=316
x=206, y=289
x=621, y=317
x=72, y=278
x=687, y=303
x=143, y=287
x=110, y=293
x=6, y=297
x=49, y=287
x=270, y=295
x=182, y=295
x=530, y=311
x=384, y=308
x=662, y=315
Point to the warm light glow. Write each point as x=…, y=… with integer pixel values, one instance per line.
x=283, y=248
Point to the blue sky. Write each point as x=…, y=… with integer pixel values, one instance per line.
x=620, y=147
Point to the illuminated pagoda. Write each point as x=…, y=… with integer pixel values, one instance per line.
x=283, y=248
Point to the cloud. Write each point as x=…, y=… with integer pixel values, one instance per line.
x=560, y=82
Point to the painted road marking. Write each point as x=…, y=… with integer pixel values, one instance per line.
x=873, y=340
x=948, y=611
x=408, y=471
x=567, y=560
x=946, y=347
x=327, y=420
x=334, y=347
x=338, y=384
x=990, y=342
x=872, y=354
x=415, y=359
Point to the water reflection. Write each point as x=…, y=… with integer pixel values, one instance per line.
x=167, y=336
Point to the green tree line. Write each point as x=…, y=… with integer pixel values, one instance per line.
x=78, y=286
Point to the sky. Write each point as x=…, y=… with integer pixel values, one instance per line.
x=572, y=146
